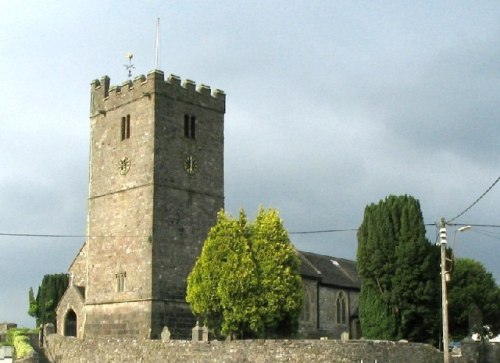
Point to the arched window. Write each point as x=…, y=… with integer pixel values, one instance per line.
x=70, y=324
x=341, y=308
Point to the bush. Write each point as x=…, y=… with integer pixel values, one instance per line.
x=246, y=283
x=18, y=338
x=22, y=346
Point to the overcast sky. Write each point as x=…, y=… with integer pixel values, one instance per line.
x=331, y=105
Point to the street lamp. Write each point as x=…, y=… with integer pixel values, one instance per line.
x=461, y=229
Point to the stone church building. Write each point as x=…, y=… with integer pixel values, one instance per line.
x=156, y=183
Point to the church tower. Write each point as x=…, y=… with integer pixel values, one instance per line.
x=156, y=183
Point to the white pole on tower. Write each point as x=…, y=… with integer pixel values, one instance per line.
x=157, y=48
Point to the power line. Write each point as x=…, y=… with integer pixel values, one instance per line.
x=475, y=202
x=487, y=234
x=325, y=231
x=42, y=235
x=65, y=235
x=137, y=236
x=35, y=235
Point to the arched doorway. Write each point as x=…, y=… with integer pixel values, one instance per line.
x=70, y=324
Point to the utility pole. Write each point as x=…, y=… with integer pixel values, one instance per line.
x=444, y=299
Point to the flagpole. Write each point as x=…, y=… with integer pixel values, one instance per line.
x=157, y=47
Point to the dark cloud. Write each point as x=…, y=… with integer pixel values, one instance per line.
x=327, y=111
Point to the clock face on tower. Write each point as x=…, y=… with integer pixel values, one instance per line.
x=190, y=165
x=125, y=165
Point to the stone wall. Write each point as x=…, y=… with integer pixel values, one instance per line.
x=308, y=320
x=70, y=350
x=480, y=352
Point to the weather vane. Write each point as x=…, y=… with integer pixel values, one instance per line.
x=129, y=66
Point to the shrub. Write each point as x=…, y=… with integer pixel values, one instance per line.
x=22, y=346
x=18, y=338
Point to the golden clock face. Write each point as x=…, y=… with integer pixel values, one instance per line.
x=190, y=165
x=125, y=164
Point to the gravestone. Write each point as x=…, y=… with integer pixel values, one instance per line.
x=199, y=334
x=165, y=334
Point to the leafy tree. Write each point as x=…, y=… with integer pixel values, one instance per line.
x=246, y=282
x=32, y=311
x=49, y=293
x=399, y=272
x=471, y=285
x=377, y=320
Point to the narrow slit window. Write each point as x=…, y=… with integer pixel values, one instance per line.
x=189, y=126
x=124, y=121
x=125, y=127
x=128, y=127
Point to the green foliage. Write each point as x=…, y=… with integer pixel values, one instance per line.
x=13, y=333
x=48, y=296
x=471, y=285
x=375, y=315
x=22, y=346
x=33, y=308
x=18, y=338
x=246, y=282
x=399, y=272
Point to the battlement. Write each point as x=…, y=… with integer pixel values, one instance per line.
x=105, y=97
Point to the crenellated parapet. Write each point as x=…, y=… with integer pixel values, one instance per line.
x=106, y=97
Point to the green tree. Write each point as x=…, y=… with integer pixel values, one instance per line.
x=399, y=272
x=471, y=285
x=32, y=311
x=49, y=293
x=246, y=281
x=375, y=314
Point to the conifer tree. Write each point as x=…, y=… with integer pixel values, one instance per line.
x=246, y=282
x=278, y=271
x=399, y=270
x=43, y=308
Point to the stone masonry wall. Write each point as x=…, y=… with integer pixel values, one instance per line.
x=154, y=193
x=70, y=350
x=308, y=320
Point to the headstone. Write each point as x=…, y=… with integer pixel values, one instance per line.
x=205, y=333
x=344, y=336
x=165, y=334
x=197, y=333
x=48, y=329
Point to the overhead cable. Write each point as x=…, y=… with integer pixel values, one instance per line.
x=475, y=202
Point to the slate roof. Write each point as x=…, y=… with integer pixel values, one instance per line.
x=329, y=270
